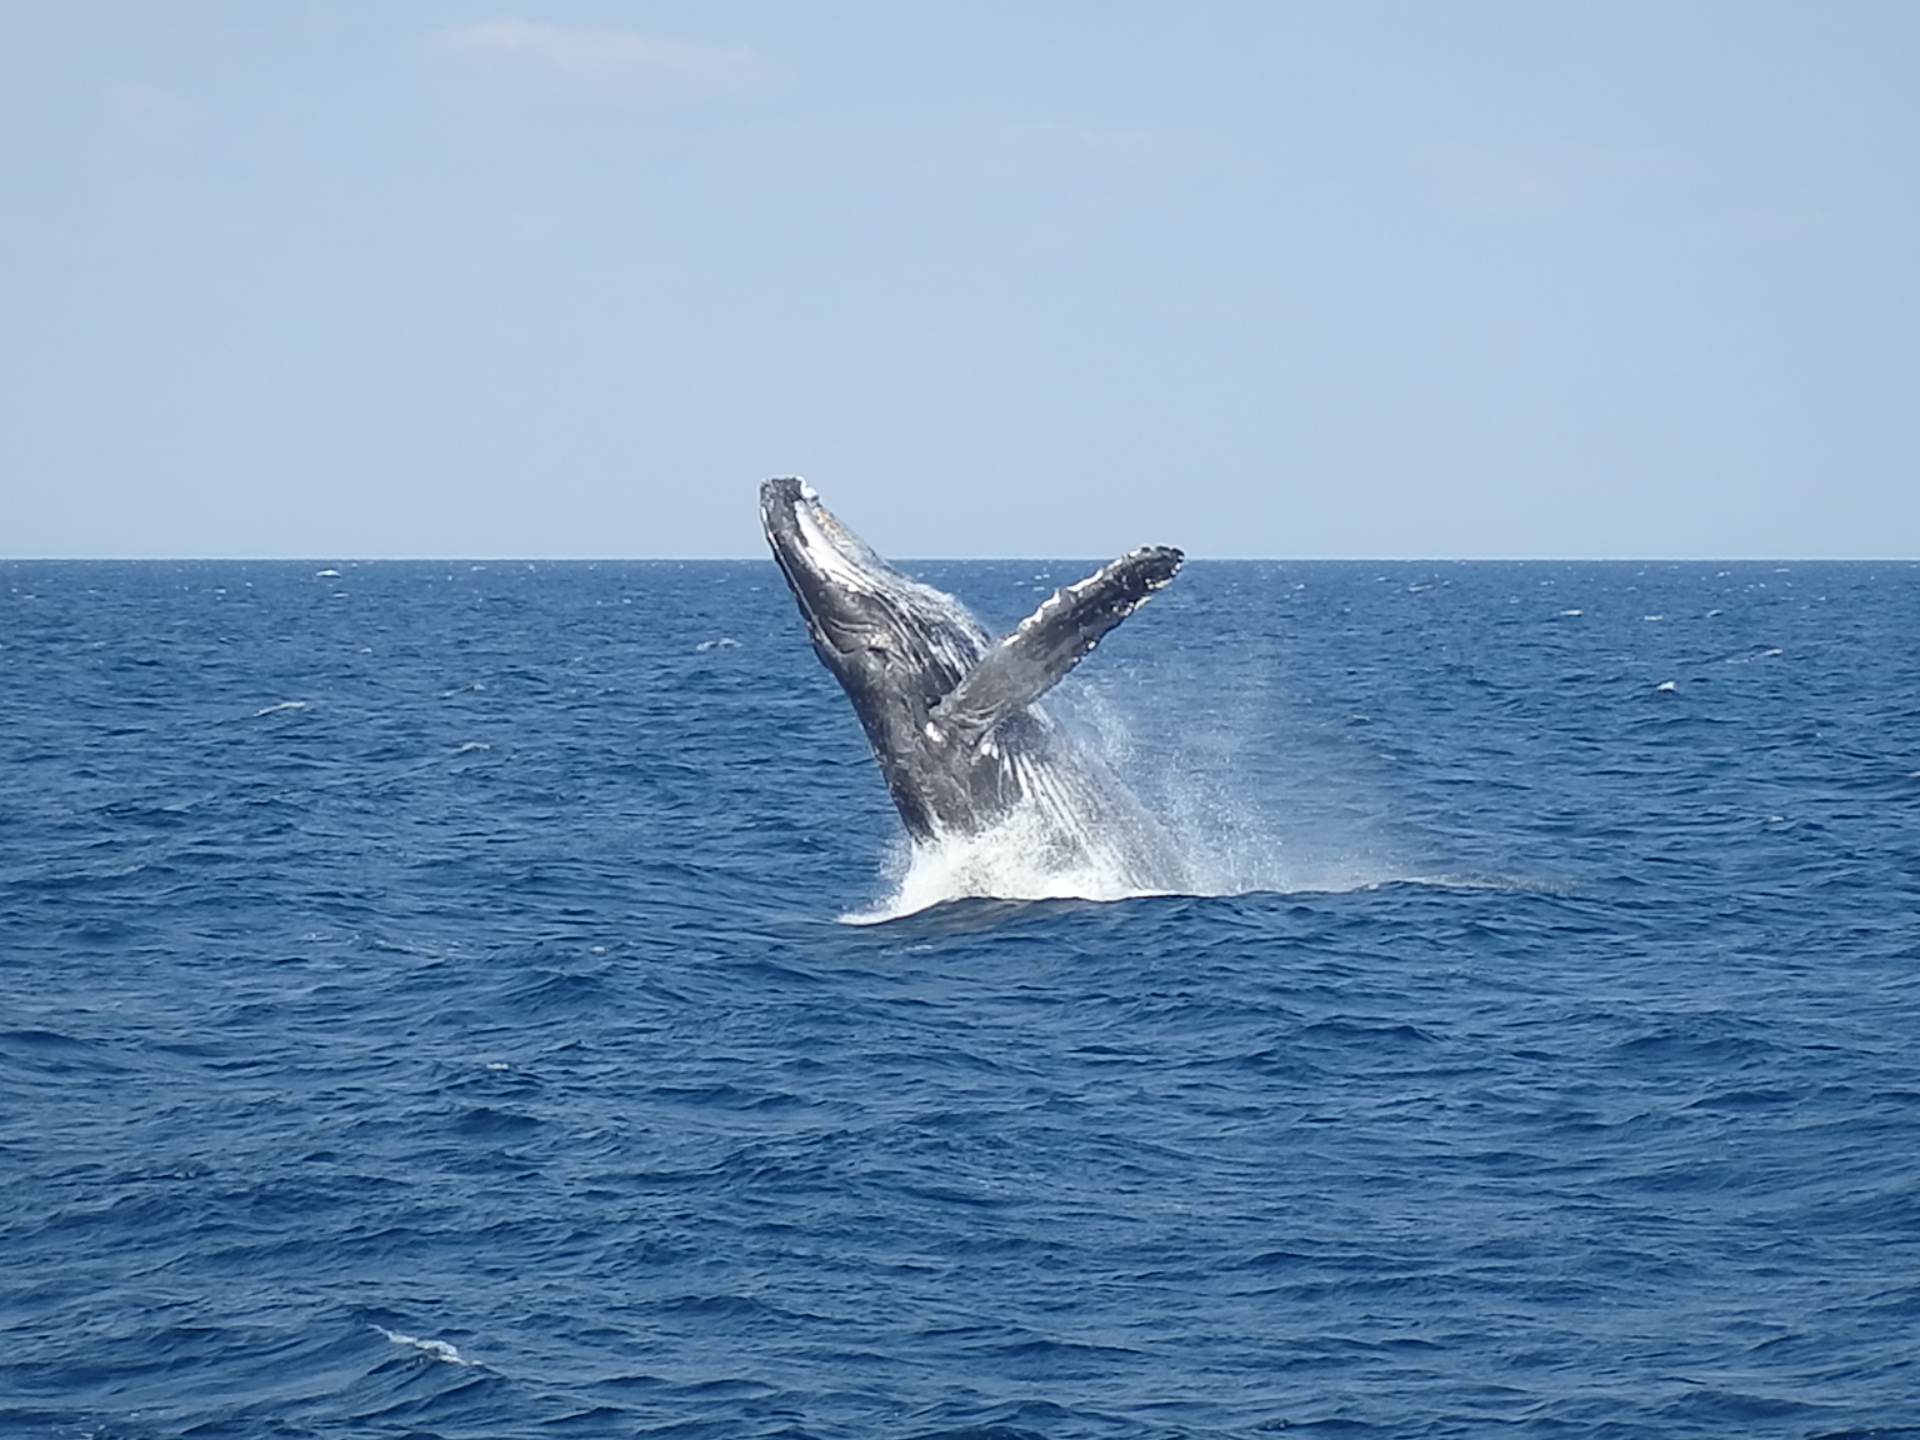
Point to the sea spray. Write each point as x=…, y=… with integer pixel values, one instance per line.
x=1208, y=837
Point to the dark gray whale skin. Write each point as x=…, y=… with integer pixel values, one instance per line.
x=950, y=715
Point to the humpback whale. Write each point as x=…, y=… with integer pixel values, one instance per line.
x=953, y=717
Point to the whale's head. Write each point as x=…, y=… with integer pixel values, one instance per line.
x=897, y=647
x=880, y=633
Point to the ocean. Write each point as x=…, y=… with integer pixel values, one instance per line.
x=493, y=1001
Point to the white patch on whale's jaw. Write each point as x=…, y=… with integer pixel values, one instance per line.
x=823, y=540
x=912, y=623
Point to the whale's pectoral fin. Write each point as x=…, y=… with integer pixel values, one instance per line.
x=1052, y=640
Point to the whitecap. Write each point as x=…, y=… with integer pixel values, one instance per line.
x=434, y=1349
x=277, y=709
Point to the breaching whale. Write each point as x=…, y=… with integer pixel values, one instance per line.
x=952, y=717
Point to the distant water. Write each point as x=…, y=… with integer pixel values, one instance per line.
x=427, y=1013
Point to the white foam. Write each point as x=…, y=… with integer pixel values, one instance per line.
x=435, y=1349
x=277, y=709
x=1011, y=862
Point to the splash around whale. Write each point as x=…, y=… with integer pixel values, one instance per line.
x=997, y=799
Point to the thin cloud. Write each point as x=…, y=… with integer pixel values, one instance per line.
x=1782, y=225
x=1051, y=149
x=622, y=61
x=1540, y=181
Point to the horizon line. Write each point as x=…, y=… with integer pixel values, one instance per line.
x=322, y=558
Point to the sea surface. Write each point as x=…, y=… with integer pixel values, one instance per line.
x=485, y=1002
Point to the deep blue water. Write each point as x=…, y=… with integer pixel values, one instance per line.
x=435, y=961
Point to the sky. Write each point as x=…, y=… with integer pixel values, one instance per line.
x=1284, y=278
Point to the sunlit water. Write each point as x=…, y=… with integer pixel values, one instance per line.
x=427, y=1013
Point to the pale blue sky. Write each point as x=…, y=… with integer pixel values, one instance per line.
x=1348, y=278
